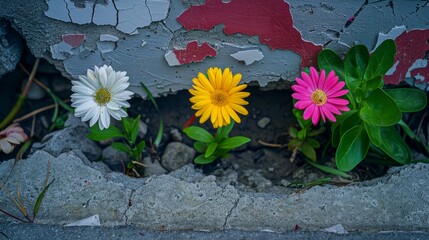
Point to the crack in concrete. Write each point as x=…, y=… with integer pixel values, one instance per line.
x=130, y=204
x=352, y=19
x=117, y=13
x=232, y=208
x=93, y=11
x=68, y=10
x=148, y=9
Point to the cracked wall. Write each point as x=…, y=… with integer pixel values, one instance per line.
x=164, y=44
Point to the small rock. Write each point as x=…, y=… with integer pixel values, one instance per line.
x=11, y=48
x=263, y=122
x=176, y=155
x=255, y=178
x=60, y=84
x=35, y=92
x=338, y=229
x=142, y=129
x=152, y=167
x=270, y=169
x=176, y=135
x=284, y=182
x=115, y=159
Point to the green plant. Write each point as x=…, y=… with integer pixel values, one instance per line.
x=127, y=137
x=213, y=147
x=303, y=139
x=374, y=111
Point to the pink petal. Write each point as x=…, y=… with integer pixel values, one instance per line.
x=321, y=114
x=301, y=82
x=300, y=89
x=299, y=96
x=314, y=76
x=332, y=108
x=321, y=81
x=339, y=93
x=303, y=104
x=308, y=80
x=335, y=88
x=331, y=74
x=316, y=116
x=342, y=108
x=329, y=83
x=328, y=114
x=309, y=112
x=338, y=101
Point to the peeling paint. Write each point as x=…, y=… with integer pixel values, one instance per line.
x=108, y=38
x=411, y=60
x=192, y=53
x=105, y=46
x=61, y=51
x=126, y=15
x=74, y=40
x=392, y=34
x=271, y=20
x=248, y=56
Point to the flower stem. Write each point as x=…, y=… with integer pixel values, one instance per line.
x=21, y=98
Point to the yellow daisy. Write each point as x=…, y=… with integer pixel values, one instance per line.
x=219, y=97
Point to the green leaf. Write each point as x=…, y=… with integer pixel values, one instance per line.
x=39, y=200
x=379, y=109
x=390, y=142
x=299, y=115
x=201, y=159
x=211, y=148
x=349, y=122
x=352, y=149
x=293, y=132
x=158, y=138
x=313, y=142
x=200, y=146
x=149, y=94
x=135, y=129
x=336, y=126
x=140, y=146
x=329, y=60
x=308, y=151
x=199, y=134
x=121, y=147
x=381, y=59
x=223, y=132
x=233, y=142
x=374, y=83
x=293, y=143
x=329, y=169
x=98, y=135
x=126, y=124
x=408, y=99
x=355, y=64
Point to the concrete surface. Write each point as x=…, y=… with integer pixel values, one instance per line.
x=32, y=231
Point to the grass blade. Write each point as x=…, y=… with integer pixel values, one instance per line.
x=328, y=169
x=149, y=94
x=39, y=200
x=158, y=138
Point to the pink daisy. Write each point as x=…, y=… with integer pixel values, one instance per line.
x=320, y=95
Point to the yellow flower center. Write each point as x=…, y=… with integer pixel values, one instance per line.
x=102, y=96
x=319, y=97
x=219, y=98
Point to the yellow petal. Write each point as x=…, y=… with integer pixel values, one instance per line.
x=197, y=82
x=240, y=95
x=201, y=90
x=238, y=101
x=237, y=89
x=232, y=113
x=220, y=117
x=205, y=82
x=201, y=111
x=206, y=114
x=198, y=98
x=227, y=80
x=235, y=80
x=214, y=114
x=212, y=76
x=225, y=115
x=201, y=104
x=239, y=108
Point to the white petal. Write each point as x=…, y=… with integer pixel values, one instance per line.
x=5, y=146
x=15, y=138
x=112, y=105
x=121, y=103
x=118, y=88
x=91, y=75
x=103, y=76
x=82, y=90
x=105, y=117
x=89, y=115
x=122, y=113
x=95, y=118
x=84, y=80
x=114, y=114
x=84, y=107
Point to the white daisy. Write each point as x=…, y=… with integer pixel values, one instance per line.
x=101, y=94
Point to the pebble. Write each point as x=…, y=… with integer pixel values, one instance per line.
x=142, y=129
x=152, y=167
x=176, y=135
x=115, y=159
x=176, y=155
x=60, y=84
x=35, y=92
x=270, y=169
x=263, y=122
